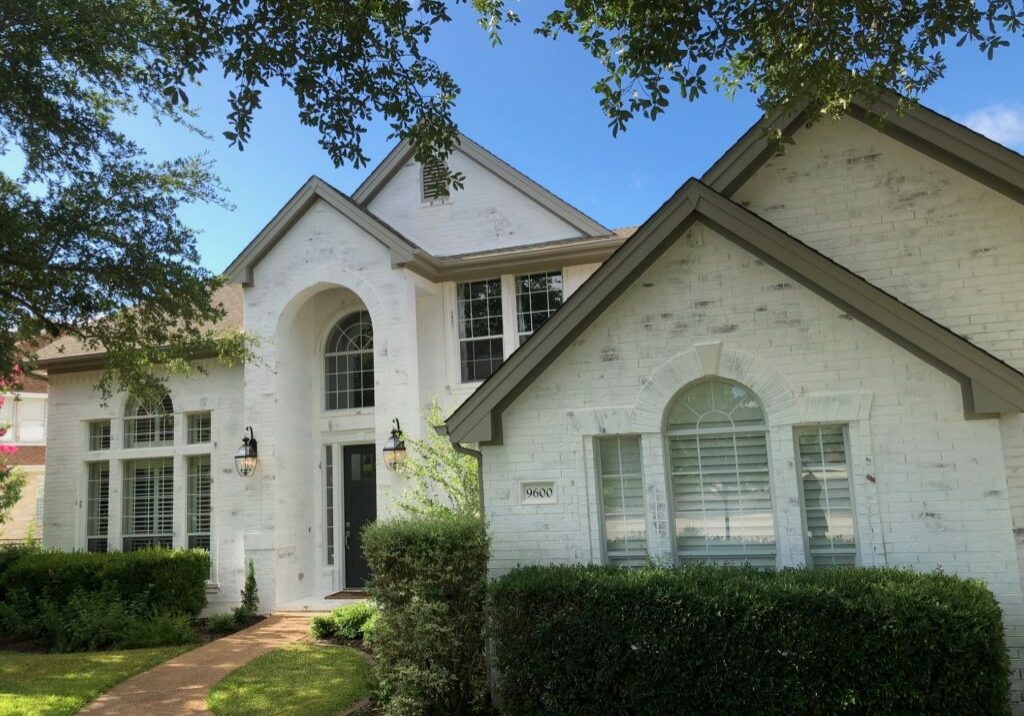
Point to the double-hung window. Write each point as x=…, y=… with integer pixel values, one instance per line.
x=97, y=506
x=478, y=311
x=148, y=516
x=538, y=295
x=622, y=500
x=825, y=487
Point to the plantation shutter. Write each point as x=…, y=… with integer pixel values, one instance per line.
x=827, y=503
x=622, y=500
x=721, y=491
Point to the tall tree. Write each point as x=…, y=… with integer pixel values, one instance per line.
x=91, y=246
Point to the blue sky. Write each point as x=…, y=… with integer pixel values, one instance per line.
x=530, y=102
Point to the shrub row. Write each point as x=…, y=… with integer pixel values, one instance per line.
x=79, y=600
x=720, y=640
x=429, y=582
x=351, y=622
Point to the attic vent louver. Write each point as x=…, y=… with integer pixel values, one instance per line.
x=432, y=181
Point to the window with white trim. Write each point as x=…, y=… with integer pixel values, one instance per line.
x=329, y=503
x=622, y=500
x=481, y=344
x=199, y=429
x=148, y=514
x=99, y=435
x=826, y=495
x=718, y=458
x=149, y=426
x=199, y=494
x=348, y=363
x=97, y=506
x=22, y=419
x=433, y=181
x=538, y=295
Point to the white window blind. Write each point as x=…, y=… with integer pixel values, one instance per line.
x=827, y=503
x=199, y=489
x=148, y=519
x=622, y=499
x=481, y=347
x=721, y=492
x=97, y=506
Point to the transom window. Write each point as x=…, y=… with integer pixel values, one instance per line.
x=622, y=500
x=825, y=486
x=99, y=435
x=481, y=348
x=199, y=429
x=149, y=426
x=538, y=295
x=148, y=519
x=199, y=484
x=718, y=456
x=97, y=506
x=348, y=363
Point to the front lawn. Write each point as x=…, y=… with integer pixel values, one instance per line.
x=305, y=679
x=56, y=684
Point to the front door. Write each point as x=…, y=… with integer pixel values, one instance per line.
x=360, y=504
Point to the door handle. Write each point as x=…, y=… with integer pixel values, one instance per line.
x=347, y=533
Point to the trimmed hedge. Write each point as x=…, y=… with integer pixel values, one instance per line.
x=429, y=583
x=174, y=581
x=728, y=640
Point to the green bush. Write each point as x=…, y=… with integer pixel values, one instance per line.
x=158, y=630
x=90, y=601
x=323, y=627
x=370, y=629
x=245, y=612
x=429, y=583
x=345, y=622
x=221, y=623
x=720, y=640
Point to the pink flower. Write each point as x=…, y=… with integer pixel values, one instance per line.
x=8, y=449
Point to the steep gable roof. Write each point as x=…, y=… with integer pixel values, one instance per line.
x=241, y=269
x=989, y=385
x=931, y=133
x=403, y=153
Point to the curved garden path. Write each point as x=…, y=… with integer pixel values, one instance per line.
x=180, y=686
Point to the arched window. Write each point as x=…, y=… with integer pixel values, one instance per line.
x=718, y=460
x=348, y=363
x=149, y=425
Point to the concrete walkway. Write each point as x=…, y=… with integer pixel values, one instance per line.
x=180, y=686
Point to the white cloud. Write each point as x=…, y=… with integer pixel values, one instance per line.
x=1000, y=123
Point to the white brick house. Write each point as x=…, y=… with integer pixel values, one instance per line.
x=805, y=358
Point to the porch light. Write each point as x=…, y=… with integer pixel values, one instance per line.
x=394, y=448
x=246, y=457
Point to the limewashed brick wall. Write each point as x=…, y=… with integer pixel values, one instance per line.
x=940, y=498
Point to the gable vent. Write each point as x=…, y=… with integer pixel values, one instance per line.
x=432, y=181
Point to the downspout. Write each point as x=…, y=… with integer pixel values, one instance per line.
x=479, y=457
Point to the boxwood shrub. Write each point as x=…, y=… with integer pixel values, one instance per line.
x=429, y=584
x=726, y=640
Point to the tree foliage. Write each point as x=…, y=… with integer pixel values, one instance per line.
x=439, y=480
x=12, y=479
x=91, y=246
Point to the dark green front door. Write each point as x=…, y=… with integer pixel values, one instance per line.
x=360, y=508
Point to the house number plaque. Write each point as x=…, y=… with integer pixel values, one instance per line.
x=537, y=493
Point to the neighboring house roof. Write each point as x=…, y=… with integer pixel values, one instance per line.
x=404, y=152
x=990, y=386
x=929, y=132
x=72, y=353
x=315, y=188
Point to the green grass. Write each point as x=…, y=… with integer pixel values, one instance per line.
x=54, y=684
x=300, y=679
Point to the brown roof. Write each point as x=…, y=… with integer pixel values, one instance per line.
x=71, y=348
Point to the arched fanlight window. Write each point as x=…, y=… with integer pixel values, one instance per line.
x=348, y=363
x=149, y=425
x=718, y=459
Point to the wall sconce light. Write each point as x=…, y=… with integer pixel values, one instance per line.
x=394, y=448
x=247, y=455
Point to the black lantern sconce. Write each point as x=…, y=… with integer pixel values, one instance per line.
x=394, y=448
x=247, y=456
